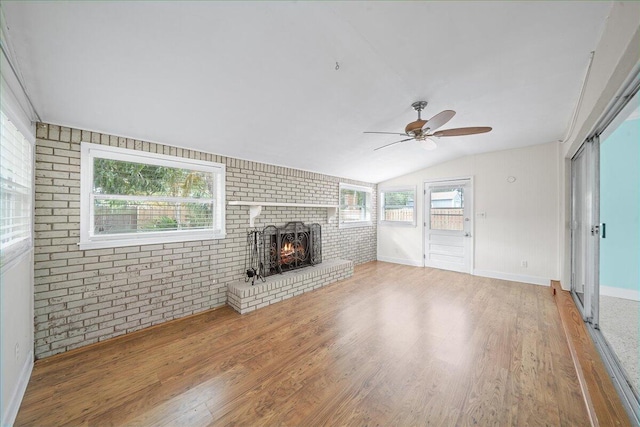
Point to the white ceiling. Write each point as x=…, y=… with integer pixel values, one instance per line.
x=257, y=80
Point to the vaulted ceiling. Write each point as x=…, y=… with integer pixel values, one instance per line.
x=259, y=81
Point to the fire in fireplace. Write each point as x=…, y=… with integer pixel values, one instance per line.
x=290, y=247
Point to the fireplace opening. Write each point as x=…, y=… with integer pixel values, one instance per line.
x=293, y=246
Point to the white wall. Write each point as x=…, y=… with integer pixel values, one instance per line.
x=521, y=218
x=616, y=57
x=17, y=330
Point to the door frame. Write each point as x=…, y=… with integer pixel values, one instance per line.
x=425, y=216
x=588, y=308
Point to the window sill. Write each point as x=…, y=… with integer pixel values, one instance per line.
x=120, y=241
x=355, y=224
x=397, y=224
x=10, y=260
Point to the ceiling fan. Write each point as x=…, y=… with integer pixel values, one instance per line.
x=424, y=131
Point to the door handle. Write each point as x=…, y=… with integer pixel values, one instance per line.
x=467, y=234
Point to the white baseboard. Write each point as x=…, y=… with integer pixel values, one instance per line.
x=610, y=291
x=542, y=281
x=9, y=417
x=535, y=280
x=403, y=261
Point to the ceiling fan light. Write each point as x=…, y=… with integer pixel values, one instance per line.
x=428, y=144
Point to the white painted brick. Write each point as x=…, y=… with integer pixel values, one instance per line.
x=99, y=333
x=97, y=306
x=168, y=280
x=127, y=326
x=83, y=274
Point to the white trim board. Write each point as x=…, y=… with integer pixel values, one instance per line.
x=535, y=280
x=9, y=417
x=402, y=261
x=610, y=291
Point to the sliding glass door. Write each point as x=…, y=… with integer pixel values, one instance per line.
x=618, y=318
x=605, y=244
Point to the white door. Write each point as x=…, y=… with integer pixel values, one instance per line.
x=448, y=225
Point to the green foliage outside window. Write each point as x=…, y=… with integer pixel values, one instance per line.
x=398, y=199
x=137, y=179
x=121, y=178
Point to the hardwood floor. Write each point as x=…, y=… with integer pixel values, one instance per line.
x=601, y=398
x=394, y=345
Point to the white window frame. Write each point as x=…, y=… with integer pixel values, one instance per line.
x=14, y=250
x=88, y=240
x=381, y=203
x=351, y=224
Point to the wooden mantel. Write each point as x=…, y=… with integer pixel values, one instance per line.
x=255, y=208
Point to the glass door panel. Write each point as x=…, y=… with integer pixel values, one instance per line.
x=578, y=225
x=583, y=232
x=619, y=263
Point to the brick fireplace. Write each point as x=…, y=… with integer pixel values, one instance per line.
x=293, y=246
x=288, y=263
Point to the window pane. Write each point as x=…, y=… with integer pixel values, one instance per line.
x=347, y=197
x=117, y=216
x=447, y=206
x=355, y=213
x=355, y=205
x=16, y=190
x=398, y=206
x=137, y=179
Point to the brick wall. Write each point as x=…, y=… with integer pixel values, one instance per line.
x=82, y=297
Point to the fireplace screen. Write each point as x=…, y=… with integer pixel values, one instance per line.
x=293, y=246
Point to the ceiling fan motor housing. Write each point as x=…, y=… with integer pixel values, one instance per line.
x=415, y=128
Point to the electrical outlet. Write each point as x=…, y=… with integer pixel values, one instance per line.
x=17, y=351
x=523, y=263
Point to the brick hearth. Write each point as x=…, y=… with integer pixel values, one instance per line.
x=245, y=298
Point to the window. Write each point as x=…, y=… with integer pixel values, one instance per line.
x=355, y=205
x=397, y=206
x=447, y=208
x=135, y=198
x=16, y=192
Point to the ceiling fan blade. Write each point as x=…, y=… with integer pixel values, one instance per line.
x=389, y=133
x=428, y=144
x=438, y=120
x=461, y=131
x=393, y=143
